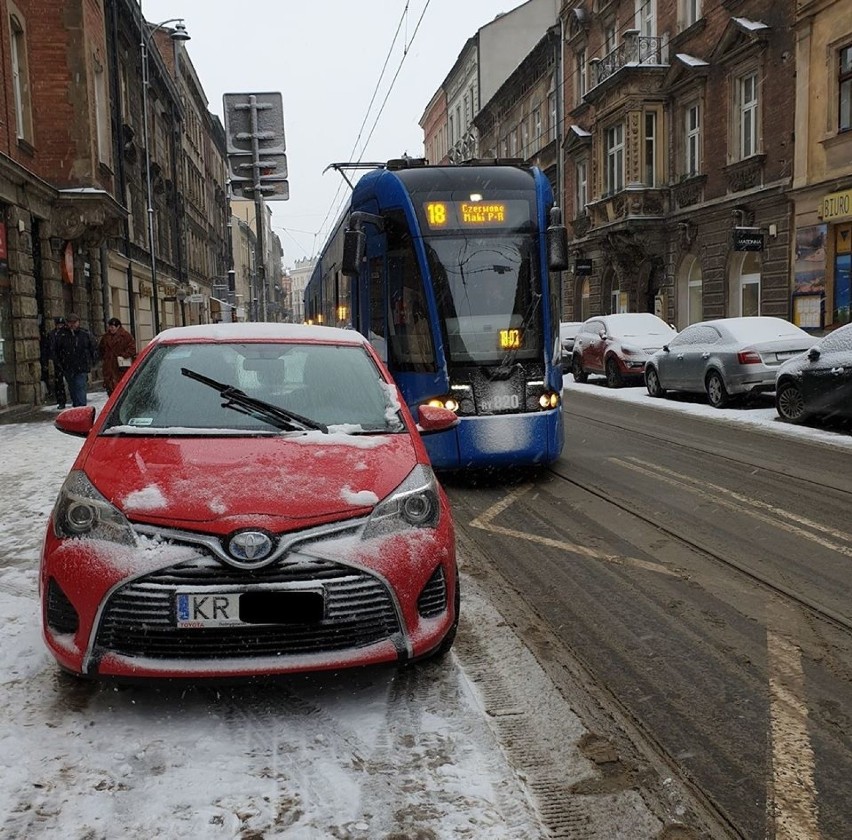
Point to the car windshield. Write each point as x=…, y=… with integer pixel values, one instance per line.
x=486, y=292
x=255, y=388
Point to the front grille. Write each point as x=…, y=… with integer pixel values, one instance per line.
x=138, y=619
x=433, y=598
x=61, y=615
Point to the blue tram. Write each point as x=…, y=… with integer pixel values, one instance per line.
x=447, y=270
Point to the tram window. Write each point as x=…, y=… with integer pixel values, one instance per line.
x=378, y=331
x=411, y=347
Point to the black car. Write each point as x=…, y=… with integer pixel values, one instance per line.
x=817, y=383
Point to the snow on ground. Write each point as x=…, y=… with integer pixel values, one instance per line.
x=381, y=753
x=758, y=411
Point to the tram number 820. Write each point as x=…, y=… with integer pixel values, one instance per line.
x=501, y=402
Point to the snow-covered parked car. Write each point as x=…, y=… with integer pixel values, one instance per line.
x=253, y=499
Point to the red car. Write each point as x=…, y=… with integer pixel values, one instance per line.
x=617, y=346
x=253, y=499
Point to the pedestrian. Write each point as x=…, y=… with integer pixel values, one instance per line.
x=117, y=349
x=58, y=379
x=76, y=351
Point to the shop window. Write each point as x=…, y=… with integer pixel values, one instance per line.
x=845, y=89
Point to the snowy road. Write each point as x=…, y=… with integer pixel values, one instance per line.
x=422, y=752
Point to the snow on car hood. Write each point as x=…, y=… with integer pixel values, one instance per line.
x=219, y=483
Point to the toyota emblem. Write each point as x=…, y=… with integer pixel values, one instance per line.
x=249, y=549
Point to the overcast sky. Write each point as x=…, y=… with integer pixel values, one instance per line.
x=329, y=59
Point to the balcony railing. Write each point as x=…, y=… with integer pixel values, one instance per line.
x=635, y=50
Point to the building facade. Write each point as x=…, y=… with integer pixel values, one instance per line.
x=822, y=178
x=679, y=147
x=82, y=172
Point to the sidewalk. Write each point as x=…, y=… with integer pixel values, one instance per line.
x=43, y=413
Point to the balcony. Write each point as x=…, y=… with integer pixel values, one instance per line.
x=635, y=51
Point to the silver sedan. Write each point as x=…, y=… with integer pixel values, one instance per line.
x=725, y=358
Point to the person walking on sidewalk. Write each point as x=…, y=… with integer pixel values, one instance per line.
x=58, y=379
x=76, y=352
x=117, y=349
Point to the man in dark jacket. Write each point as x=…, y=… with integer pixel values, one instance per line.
x=76, y=352
x=58, y=379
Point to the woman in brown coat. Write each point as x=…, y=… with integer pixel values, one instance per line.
x=117, y=349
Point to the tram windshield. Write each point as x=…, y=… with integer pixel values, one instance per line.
x=487, y=291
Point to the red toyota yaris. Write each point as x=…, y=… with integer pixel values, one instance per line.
x=253, y=499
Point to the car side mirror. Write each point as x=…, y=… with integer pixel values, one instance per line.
x=602, y=334
x=433, y=418
x=666, y=348
x=813, y=353
x=76, y=421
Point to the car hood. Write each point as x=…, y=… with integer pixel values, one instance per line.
x=221, y=483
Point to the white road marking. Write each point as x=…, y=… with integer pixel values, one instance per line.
x=793, y=798
x=775, y=516
x=484, y=522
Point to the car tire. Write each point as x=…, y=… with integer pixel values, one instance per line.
x=790, y=403
x=577, y=369
x=613, y=374
x=717, y=393
x=652, y=382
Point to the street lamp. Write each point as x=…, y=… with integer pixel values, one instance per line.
x=179, y=33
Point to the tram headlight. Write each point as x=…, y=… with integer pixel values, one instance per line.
x=450, y=403
x=549, y=399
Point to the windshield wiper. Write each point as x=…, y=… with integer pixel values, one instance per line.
x=240, y=401
x=504, y=369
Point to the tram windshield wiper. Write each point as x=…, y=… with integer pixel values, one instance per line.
x=253, y=407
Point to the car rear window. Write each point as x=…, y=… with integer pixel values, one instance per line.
x=765, y=329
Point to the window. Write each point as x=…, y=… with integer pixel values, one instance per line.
x=581, y=76
x=694, y=292
x=693, y=139
x=845, y=79
x=551, y=104
x=451, y=131
x=20, y=80
x=614, y=171
x=650, y=151
x=536, y=118
x=585, y=300
x=747, y=101
x=691, y=12
x=646, y=18
x=609, y=37
x=525, y=139
x=581, y=193
x=102, y=126
x=513, y=143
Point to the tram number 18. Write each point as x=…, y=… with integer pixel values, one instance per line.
x=510, y=339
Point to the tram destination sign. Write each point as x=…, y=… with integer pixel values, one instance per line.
x=748, y=239
x=486, y=213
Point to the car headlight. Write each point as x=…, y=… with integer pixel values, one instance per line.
x=414, y=504
x=81, y=511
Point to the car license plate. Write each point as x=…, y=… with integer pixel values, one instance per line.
x=226, y=609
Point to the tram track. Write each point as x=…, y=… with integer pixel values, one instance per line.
x=813, y=608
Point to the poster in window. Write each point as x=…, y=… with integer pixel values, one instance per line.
x=810, y=260
x=807, y=311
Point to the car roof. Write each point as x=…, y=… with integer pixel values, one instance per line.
x=261, y=332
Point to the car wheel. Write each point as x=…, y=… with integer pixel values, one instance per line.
x=717, y=393
x=577, y=370
x=613, y=374
x=789, y=402
x=652, y=382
